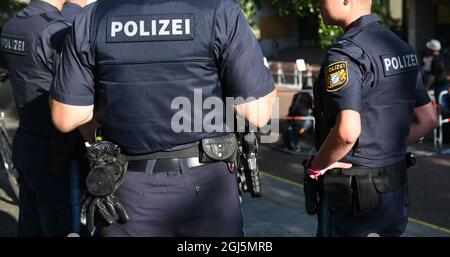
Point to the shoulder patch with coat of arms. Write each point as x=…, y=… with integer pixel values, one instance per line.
x=336, y=76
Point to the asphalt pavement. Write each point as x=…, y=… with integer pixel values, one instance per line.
x=429, y=182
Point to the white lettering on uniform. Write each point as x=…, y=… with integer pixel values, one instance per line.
x=402, y=66
x=143, y=28
x=400, y=62
x=142, y=31
x=13, y=44
x=163, y=31
x=116, y=26
x=176, y=27
x=20, y=45
x=414, y=60
x=395, y=63
x=187, y=25
x=133, y=25
x=387, y=63
x=154, y=28
x=408, y=61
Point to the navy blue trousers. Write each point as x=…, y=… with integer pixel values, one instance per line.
x=49, y=203
x=191, y=202
x=388, y=220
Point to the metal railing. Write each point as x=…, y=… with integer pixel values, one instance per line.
x=292, y=75
x=439, y=131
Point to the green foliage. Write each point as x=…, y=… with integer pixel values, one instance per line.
x=8, y=6
x=308, y=8
x=250, y=7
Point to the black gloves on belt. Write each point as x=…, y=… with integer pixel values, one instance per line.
x=108, y=169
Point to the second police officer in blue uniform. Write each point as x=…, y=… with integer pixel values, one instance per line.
x=132, y=60
x=370, y=102
x=49, y=194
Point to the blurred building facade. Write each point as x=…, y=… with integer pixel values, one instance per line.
x=416, y=21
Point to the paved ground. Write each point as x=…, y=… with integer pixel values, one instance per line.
x=429, y=181
x=280, y=213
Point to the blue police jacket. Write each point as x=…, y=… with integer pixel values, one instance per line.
x=371, y=71
x=149, y=53
x=145, y=65
x=31, y=42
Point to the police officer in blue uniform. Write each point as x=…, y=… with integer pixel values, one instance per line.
x=31, y=42
x=369, y=103
x=132, y=60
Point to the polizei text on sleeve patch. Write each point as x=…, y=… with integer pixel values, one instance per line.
x=399, y=63
x=151, y=27
x=11, y=44
x=336, y=76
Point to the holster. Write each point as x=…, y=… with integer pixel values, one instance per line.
x=368, y=198
x=223, y=148
x=358, y=190
x=339, y=191
x=311, y=191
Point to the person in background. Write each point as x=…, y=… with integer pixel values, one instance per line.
x=438, y=79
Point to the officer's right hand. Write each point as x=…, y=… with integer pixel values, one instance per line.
x=316, y=173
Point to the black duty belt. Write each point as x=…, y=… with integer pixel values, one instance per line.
x=208, y=150
x=359, y=189
x=166, y=161
x=399, y=167
x=164, y=165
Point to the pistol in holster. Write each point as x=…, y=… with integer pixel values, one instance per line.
x=311, y=191
x=247, y=164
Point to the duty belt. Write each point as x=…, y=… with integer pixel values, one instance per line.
x=399, y=167
x=217, y=149
x=166, y=161
x=359, y=189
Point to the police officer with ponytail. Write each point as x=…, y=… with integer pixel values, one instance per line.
x=369, y=103
x=128, y=64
